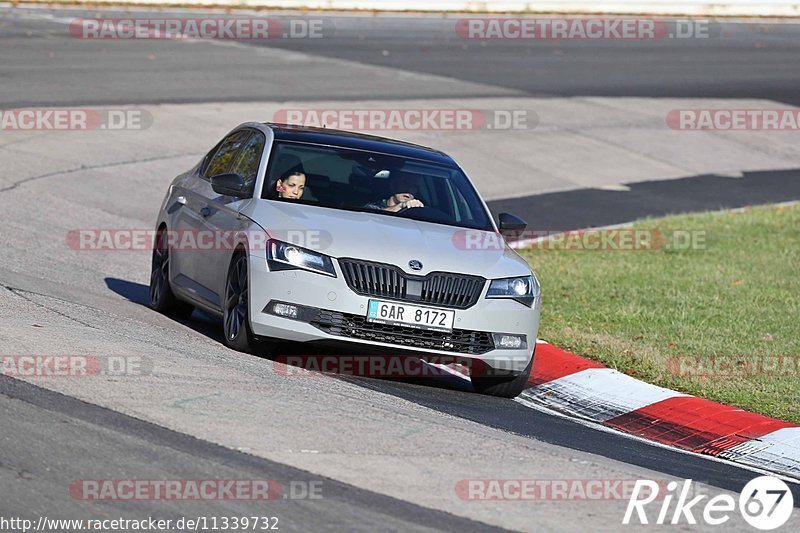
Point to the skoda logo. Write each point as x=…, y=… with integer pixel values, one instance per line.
x=415, y=265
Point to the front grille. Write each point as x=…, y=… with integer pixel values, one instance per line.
x=387, y=281
x=356, y=326
x=374, y=279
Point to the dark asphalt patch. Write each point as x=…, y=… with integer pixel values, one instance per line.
x=586, y=208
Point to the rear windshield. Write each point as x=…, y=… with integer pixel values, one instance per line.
x=355, y=180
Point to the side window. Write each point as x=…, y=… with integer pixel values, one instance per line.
x=222, y=160
x=206, y=160
x=246, y=164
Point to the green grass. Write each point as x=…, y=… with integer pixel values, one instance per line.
x=734, y=299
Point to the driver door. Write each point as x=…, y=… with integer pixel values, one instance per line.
x=220, y=215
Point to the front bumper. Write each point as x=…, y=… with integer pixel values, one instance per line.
x=339, y=315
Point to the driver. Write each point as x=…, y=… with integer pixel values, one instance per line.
x=402, y=188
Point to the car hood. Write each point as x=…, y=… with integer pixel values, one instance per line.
x=388, y=239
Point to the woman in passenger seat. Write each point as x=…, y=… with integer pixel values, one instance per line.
x=291, y=186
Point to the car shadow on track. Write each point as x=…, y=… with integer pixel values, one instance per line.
x=327, y=360
x=139, y=293
x=132, y=291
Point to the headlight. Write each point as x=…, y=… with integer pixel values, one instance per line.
x=287, y=256
x=523, y=289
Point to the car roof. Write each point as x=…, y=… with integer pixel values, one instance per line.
x=357, y=141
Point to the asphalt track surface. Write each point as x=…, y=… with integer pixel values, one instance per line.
x=388, y=452
x=737, y=60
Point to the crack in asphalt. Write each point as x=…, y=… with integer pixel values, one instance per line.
x=20, y=474
x=19, y=292
x=94, y=167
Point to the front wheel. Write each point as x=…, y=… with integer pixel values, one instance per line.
x=503, y=386
x=236, y=312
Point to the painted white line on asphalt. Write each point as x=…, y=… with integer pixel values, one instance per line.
x=599, y=393
x=449, y=370
x=614, y=187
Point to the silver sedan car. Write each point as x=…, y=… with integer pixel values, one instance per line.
x=295, y=234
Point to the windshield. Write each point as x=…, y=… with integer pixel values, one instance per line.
x=356, y=180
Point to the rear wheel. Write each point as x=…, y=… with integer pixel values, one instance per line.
x=162, y=299
x=236, y=311
x=503, y=386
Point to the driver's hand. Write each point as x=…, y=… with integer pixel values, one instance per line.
x=414, y=203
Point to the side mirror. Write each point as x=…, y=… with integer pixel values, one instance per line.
x=511, y=227
x=230, y=185
x=509, y=222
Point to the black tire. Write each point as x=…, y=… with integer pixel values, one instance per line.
x=235, y=306
x=236, y=312
x=503, y=386
x=162, y=299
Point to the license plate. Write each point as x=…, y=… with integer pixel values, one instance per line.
x=397, y=314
